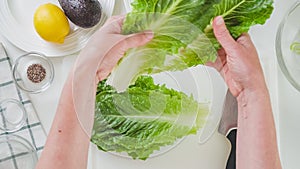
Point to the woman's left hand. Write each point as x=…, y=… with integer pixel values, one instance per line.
x=107, y=46
x=95, y=62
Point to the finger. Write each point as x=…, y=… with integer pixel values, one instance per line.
x=223, y=36
x=117, y=52
x=130, y=41
x=222, y=55
x=109, y=62
x=215, y=65
x=113, y=25
x=245, y=40
x=136, y=40
x=118, y=18
x=218, y=64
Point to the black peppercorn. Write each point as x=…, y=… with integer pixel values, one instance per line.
x=36, y=73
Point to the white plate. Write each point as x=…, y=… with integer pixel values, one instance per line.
x=16, y=18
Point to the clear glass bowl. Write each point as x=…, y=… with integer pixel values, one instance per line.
x=288, y=33
x=16, y=152
x=20, y=72
x=12, y=115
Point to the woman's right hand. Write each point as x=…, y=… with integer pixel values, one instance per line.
x=237, y=61
x=239, y=64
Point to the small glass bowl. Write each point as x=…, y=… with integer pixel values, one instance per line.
x=20, y=74
x=16, y=152
x=12, y=115
x=289, y=33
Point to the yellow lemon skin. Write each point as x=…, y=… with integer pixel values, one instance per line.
x=51, y=23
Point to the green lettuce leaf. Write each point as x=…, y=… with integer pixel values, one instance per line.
x=136, y=116
x=144, y=118
x=239, y=16
x=295, y=47
x=183, y=34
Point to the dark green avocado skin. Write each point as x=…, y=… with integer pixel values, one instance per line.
x=83, y=13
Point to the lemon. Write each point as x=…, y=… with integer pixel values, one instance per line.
x=51, y=23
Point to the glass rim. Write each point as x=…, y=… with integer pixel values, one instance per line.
x=24, y=142
x=41, y=57
x=279, y=51
x=21, y=122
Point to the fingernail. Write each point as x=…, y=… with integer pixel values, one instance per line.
x=149, y=34
x=219, y=20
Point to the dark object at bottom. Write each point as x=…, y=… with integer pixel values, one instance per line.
x=231, y=163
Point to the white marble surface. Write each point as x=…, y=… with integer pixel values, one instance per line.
x=211, y=155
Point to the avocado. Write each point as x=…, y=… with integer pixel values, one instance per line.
x=83, y=13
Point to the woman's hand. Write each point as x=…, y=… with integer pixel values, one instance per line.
x=107, y=46
x=239, y=65
x=95, y=62
x=238, y=61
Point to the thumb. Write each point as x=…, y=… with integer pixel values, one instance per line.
x=136, y=40
x=223, y=36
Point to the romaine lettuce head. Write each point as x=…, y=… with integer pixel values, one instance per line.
x=183, y=34
x=144, y=118
x=136, y=116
